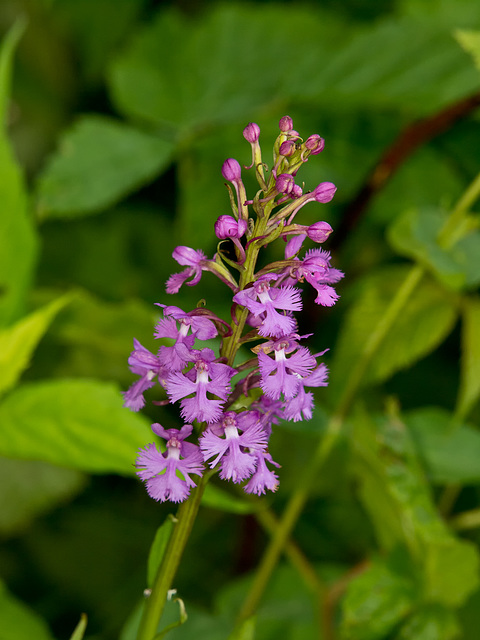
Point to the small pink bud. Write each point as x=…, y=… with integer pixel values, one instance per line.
x=285, y=124
x=287, y=148
x=319, y=231
x=324, y=192
x=251, y=133
x=231, y=170
x=296, y=192
x=284, y=183
x=228, y=227
x=315, y=144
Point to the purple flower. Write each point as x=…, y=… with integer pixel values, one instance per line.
x=167, y=474
x=175, y=357
x=315, y=144
x=222, y=441
x=316, y=270
x=143, y=363
x=196, y=261
x=206, y=376
x=300, y=407
x=263, y=478
x=262, y=300
x=228, y=227
x=283, y=374
x=286, y=124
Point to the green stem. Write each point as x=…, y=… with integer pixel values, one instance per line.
x=166, y=572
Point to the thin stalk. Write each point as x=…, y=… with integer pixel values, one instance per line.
x=166, y=572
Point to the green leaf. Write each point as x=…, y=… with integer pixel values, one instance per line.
x=220, y=499
x=18, y=342
x=470, y=364
x=80, y=629
x=470, y=42
x=74, y=423
x=451, y=451
x=392, y=485
x=389, y=473
x=451, y=572
x=431, y=622
x=17, y=236
x=414, y=234
x=19, y=622
x=423, y=323
x=113, y=159
x=379, y=598
x=29, y=488
x=159, y=545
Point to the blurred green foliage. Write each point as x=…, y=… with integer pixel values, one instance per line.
x=116, y=116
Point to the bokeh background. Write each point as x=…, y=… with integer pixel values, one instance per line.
x=120, y=115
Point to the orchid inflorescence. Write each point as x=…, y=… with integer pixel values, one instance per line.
x=233, y=423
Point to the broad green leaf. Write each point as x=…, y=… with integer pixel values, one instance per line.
x=17, y=236
x=29, y=488
x=159, y=545
x=414, y=234
x=451, y=451
x=18, y=342
x=470, y=363
x=470, y=41
x=389, y=473
x=185, y=75
x=392, y=486
x=451, y=572
x=431, y=622
x=74, y=423
x=113, y=159
x=378, y=599
x=80, y=629
x=18, y=621
x=426, y=319
x=220, y=499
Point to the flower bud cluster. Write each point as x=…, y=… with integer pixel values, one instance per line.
x=276, y=382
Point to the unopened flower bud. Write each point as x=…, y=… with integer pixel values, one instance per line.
x=228, y=227
x=315, y=144
x=251, y=133
x=319, y=231
x=231, y=170
x=324, y=192
x=285, y=183
x=287, y=148
x=285, y=124
x=296, y=191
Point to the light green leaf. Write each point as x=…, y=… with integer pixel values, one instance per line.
x=451, y=451
x=17, y=236
x=74, y=423
x=431, y=622
x=470, y=41
x=414, y=234
x=19, y=622
x=80, y=629
x=159, y=545
x=470, y=367
x=451, y=571
x=18, y=342
x=381, y=597
x=220, y=499
x=99, y=162
x=426, y=319
x=29, y=488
